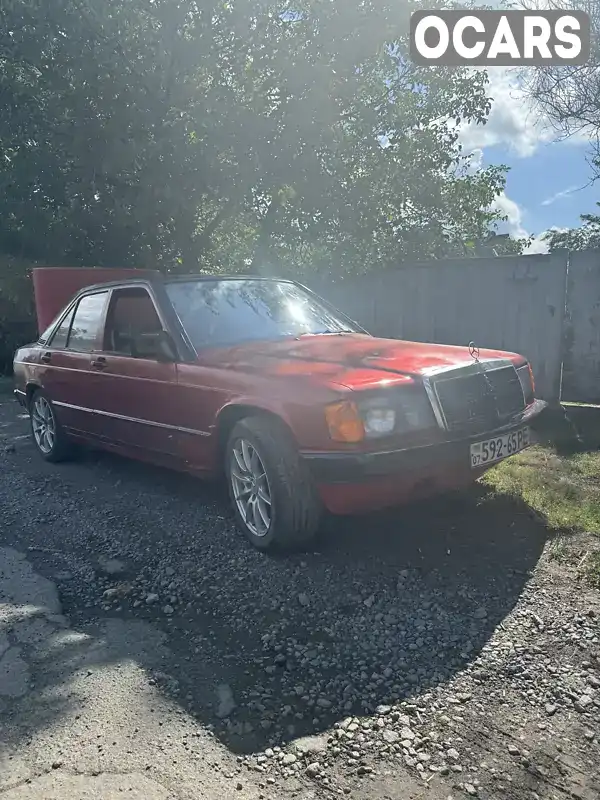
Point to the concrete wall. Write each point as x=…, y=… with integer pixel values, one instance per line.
x=510, y=303
x=581, y=370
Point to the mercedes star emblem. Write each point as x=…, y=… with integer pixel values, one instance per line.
x=474, y=351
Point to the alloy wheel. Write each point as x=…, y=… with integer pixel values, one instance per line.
x=251, y=489
x=43, y=425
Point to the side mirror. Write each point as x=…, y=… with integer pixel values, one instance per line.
x=158, y=346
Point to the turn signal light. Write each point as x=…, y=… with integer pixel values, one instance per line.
x=532, y=380
x=344, y=422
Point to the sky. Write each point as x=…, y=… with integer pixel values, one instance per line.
x=548, y=182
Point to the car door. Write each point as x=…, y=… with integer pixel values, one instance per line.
x=135, y=397
x=65, y=371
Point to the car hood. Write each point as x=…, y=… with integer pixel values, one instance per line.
x=353, y=360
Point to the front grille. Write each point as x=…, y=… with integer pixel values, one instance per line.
x=479, y=401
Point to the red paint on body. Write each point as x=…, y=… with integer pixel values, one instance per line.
x=187, y=403
x=388, y=491
x=353, y=361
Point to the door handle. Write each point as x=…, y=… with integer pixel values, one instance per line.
x=46, y=358
x=99, y=363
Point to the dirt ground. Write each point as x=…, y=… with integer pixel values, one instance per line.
x=447, y=650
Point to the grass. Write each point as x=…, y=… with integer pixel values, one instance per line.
x=562, y=489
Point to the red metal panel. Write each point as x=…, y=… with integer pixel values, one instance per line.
x=53, y=287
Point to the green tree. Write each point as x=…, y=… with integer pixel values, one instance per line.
x=587, y=237
x=327, y=192
x=232, y=135
x=569, y=96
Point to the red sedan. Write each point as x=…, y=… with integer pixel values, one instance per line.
x=262, y=380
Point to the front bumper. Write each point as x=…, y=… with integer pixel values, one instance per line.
x=355, y=468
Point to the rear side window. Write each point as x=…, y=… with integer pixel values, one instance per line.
x=59, y=340
x=87, y=322
x=131, y=313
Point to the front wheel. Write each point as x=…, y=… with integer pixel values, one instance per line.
x=271, y=490
x=48, y=437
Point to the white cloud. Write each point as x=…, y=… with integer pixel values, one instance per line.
x=514, y=224
x=559, y=195
x=514, y=215
x=475, y=162
x=512, y=121
x=537, y=245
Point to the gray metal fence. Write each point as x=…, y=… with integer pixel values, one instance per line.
x=581, y=350
x=507, y=303
x=546, y=307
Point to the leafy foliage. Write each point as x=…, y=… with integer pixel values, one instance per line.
x=587, y=237
x=207, y=133
x=17, y=323
x=247, y=135
x=569, y=96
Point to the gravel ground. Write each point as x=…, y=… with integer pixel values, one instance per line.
x=437, y=652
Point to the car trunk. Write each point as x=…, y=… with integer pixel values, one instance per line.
x=53, y=287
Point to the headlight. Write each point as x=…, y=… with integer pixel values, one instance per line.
x=397, y=411
x=378, y=420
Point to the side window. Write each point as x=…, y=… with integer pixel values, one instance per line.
x=87, y=322
x=43, y=338
x=59, y=340
x=131, y=314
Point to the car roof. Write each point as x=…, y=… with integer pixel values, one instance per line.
x=146, y=279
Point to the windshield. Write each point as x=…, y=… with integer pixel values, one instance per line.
x=227, y=312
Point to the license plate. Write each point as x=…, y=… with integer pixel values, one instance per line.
x=499, y=447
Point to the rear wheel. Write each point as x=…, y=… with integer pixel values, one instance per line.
x=48, y=437
x=274, y=500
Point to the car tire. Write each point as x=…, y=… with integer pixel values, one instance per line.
x=49, y=438
x=262, y=462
